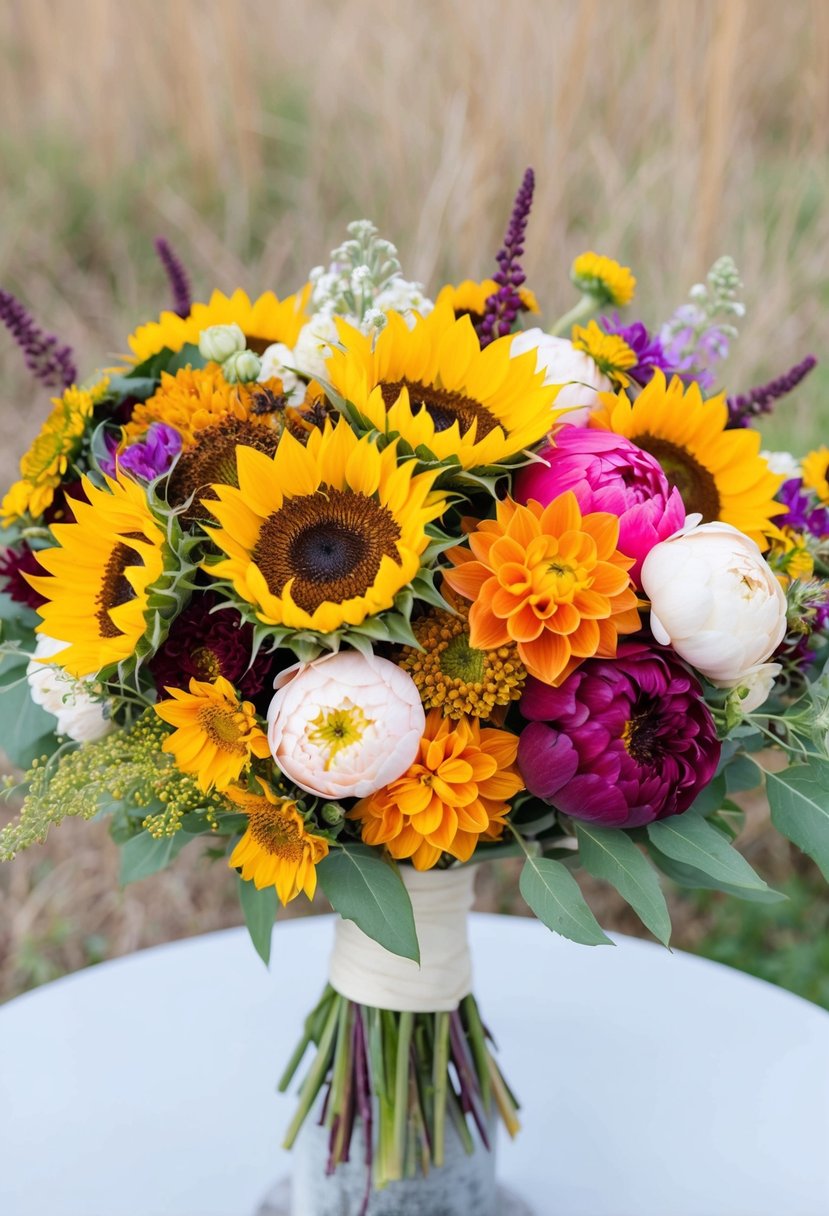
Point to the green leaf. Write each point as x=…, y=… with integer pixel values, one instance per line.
x=799, y=801
x=142, y=855
x=710, y=799
x=553, y=894
x=742, y=774
x=364, y=888
x=696, y=880
x=27, y=731
x=610, y=854
x=693, y=841
x=259, y=909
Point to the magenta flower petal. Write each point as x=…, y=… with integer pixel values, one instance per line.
x=622, y=742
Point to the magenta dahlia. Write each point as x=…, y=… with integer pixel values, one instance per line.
x=607, y=472
x=622, y=742
x=203, y=644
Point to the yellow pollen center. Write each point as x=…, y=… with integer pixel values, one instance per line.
x=336, y=729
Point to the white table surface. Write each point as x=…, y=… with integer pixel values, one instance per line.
x=653, y=1084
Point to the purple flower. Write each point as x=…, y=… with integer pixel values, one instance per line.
x=760, y=400
x=801, y=514
x=15, y=564
x=622, y=742
x=203, y=644
x=504, y=305
x=607, y=472
x=177, y=275
x=48, y=361
x=646, y=347
x=693, y=346
x=149, y=458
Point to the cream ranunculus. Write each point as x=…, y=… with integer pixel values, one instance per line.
x=715, y=600
x=563, y=364
x=345, y=725
x=80, y=715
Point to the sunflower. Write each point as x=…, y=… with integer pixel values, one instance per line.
x=609, y=352
x=263, y=322
x=322, y=535
x=197, y=398
x=468, y=299
x=44, y=465
x=549, y=579
x=815, y=468
x=604, y=279
x=435, y=388
x=455, y=677
x=455, y=792
x=276, y=849
x=103, y=571
x=211, y=459
x=216, y=734
x=720, y=473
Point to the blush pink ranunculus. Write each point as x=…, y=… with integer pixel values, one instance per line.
x=607, y=472
x=345, y=725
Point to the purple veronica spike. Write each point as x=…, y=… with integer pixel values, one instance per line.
x=179, y=282
x=51, y=363
x=504, y=305
x=760, y=400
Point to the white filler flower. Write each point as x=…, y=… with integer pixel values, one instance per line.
x=80, y=715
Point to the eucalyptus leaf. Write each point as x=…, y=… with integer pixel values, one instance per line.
x=799, y=801
x=552, y=893
x=360, y=886
x=259, y=909
x=609, y=854
x=695, y=842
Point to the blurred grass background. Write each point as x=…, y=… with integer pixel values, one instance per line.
x=248, y=132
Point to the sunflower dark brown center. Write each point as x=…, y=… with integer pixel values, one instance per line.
x=330, y=543
x=695, y=483
x=115, y=588
x=444, y=406
x=212, y=460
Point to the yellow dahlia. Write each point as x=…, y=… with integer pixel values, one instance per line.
x=550, y=580
x=456, y=792
x=815, y=468
x=216, y=734
x=263, y=322
x=609, y=352
x=44, y=465
x=789, y=556
x=455, y=677
x=603, y=278
x=469, y=297
x=101, y=574
x=720, y=473
x=434, y=387
x=324, y=534
x=195, y=399
x=276, y=850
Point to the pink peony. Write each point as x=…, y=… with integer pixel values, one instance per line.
x=607, y=473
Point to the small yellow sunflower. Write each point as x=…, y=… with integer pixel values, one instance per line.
x=609, y=352
x=434, y=387
x=720, y=473
x=469, y=298
x=456, y=677
x=195, y=399
x=216, y=734
x=789, y=556
x=44, y=465
x=604, y=279
x=324, y=534
x=815, y=468
x=263, y=322
x=276, y=850
x=101, y=574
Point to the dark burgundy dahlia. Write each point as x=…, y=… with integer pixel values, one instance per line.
x=203, y=644
x=622, y=742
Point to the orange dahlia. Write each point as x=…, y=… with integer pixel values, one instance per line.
x=456, y=791
x=550, y=579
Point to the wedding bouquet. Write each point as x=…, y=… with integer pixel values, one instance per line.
x=361, y=588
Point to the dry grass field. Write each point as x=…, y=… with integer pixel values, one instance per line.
x=250, y=131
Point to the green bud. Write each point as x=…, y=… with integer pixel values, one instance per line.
x=333, y=814
x=219, y=342
x=242, y=367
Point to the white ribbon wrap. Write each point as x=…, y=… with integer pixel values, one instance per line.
x=365, y=972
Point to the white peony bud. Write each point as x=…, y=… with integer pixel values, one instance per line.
x=754, y=686
x=715, y=600
x=563, y=364
x=80, y=716
x=242, y=367
x=219, y=342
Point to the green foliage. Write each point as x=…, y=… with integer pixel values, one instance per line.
x=552, y=893
x=143, y=855
x=799, y=801
x=364, y=888
x=611, y=855
x=259, y=909
x=693, y=841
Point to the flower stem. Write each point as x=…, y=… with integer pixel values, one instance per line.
x=440, y=1079
x=316, y=1075
x=580, y=312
